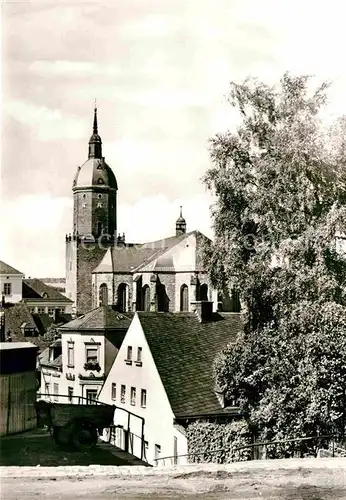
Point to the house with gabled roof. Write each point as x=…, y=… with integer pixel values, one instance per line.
x=89, y=345
x=10, y=283
x=163, y=372
x=44, y=299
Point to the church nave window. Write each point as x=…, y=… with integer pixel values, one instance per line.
x=103, y=295
x=184, y=298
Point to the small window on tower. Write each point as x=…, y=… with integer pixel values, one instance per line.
x=99, y=196
x=100, y=181
x=84, y=195
x=99, y=205
x=84, y=205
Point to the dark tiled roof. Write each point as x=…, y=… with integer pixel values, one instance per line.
x=7, y=269
x=18, y=314
x=42, y=322
x=127, y=259
x=56, y=363
x=184, y=351
x=102, y=318
x=15, y=317
x=36, y=289
x=44, y=356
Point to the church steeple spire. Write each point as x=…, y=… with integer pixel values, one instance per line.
x=95, y=131
x=180, y=225
x=95, y=143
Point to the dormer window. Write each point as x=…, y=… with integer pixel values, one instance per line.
x=44, y=295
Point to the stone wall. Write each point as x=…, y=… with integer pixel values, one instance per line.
x=88, y=257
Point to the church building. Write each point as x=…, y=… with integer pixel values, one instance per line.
x=103, y=269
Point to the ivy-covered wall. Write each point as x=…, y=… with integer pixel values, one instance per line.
x=208, y=437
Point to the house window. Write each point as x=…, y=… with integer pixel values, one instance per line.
x=143, y=398
x=46, y=387
x=123, y=394
x=32, y=310
x=157, y=451
x=184, y=298
x=92, y=355
x=7, y=288
x=51, y=311
x=146, y=449
x=70, y=354
x=129, y=353
x=114, y=391
x=70, y=394
x=40, y=310
x=56, y=392
x=139, y=354
x=133, y=396
x=91, y=395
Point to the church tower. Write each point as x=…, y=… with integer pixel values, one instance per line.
x=95, y=193
x=94, y=221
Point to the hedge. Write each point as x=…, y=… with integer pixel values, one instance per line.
x=207, y=437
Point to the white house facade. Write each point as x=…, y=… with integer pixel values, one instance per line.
x=163, y=375
x=11, y=282
x=134, y=384
x=89, y=345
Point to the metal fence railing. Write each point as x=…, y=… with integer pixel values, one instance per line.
x=67, y=399
x=258, y=450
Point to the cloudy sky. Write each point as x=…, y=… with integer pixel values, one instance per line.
x=160, y=71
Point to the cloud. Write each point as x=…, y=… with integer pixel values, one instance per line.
x=48, y=123
x=33, y=234
x=73, y=69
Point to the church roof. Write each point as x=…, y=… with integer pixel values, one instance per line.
x=184, y=350
x=101, y=318
x=7, y=269
x=126, y=259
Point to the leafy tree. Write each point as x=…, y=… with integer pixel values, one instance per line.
x=280, y=187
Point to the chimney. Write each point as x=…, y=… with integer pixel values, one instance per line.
x=204, y=310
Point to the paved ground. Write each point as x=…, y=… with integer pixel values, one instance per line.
x=309, y=479
x=38, y=447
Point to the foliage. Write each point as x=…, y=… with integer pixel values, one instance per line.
x=92, y=365
x=216, y=442
x=51, y=333
x=280, y=186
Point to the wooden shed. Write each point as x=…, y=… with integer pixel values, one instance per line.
x=18, y=386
